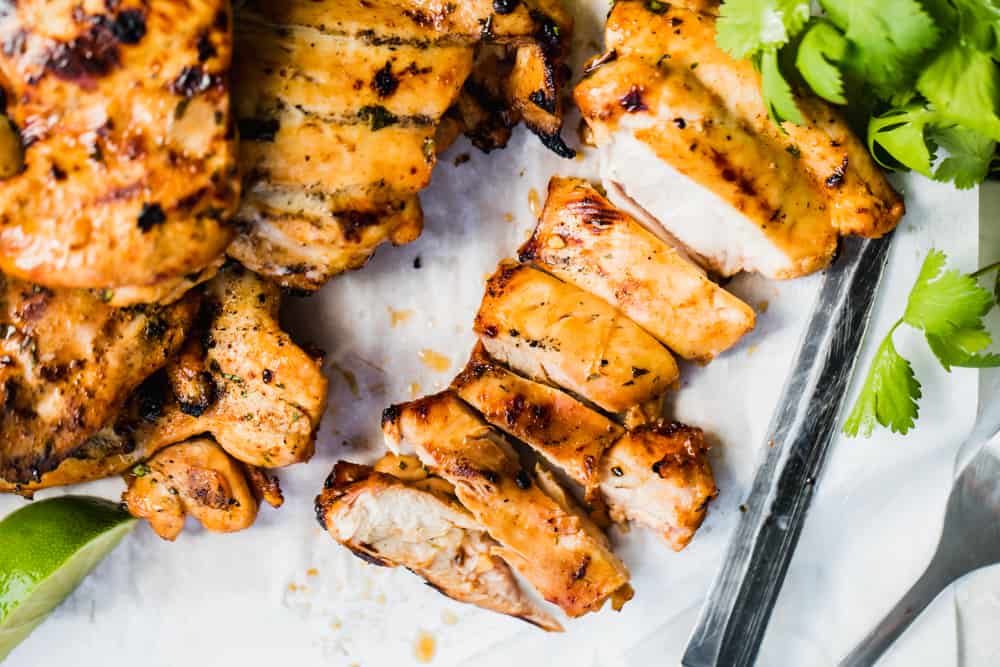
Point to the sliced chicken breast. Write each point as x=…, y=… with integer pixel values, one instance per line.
x=544, y=537
x=557, y=333
x=585, y=240
x=659, y=476
x=565, y=431
x=390, y=522
x=667, y=105
x=195, y=478
x=129, y=152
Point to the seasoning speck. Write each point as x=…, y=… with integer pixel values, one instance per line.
x=399, y=316
x=414, y=389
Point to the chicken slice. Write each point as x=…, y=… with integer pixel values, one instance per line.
x=583, y=239
x=566, y=432
x=550, y=542
x=129, y=172
x=68, y=362
x=667, y=105
x=659, y=476
x=390, y=522
x=238, y=377
x=557, y=333
x=194, y=478
x=340, y=106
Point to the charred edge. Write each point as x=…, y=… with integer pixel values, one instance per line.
x=581, y=571
x=258, y=129
x=390, y=415
x=504, y=7
x=367, y=557
x=192, y=81
x=632, y=100
x=554, y=142
x=205, y=401
x=548, y=34
x=352, y=223
x=836, y=179
x=541, y=100
x=603, y=59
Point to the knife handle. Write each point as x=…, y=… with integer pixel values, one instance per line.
x=735, y=616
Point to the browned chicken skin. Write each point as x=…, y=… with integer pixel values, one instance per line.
x=239, y=378
x=665, y=91
x=194, y=478
x=68, y=362
x=390, y=521
x=543, y=536
x=340, y=107
x=129, y=151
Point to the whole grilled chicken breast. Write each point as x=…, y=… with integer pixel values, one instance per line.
x=340, y=107
x=391, y=522
x=129, y=155
x=667, y=107
x=68, y=362
x=543, y=535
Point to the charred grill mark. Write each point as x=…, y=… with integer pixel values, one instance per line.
x=581, y=571
x=594, y=212
x=385, y=82
x=744, y=183
x=836, y=179
x=353, y=223
x=513, y=409
x=129, y=26
x=632, y=100
x=258, y=129
x=81, y=60
x=151, y=216
x=193, y=80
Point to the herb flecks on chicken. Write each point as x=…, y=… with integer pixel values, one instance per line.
x=129, y=153
x=239, y=379
x=68, y=362
x=340, y=108
x=666, y=104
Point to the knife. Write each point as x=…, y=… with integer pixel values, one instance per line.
x=735, y=615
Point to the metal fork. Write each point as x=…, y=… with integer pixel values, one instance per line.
x=970, y=538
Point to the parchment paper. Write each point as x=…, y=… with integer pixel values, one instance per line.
x=284, y=593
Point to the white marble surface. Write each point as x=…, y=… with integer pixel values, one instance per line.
x=284, y=593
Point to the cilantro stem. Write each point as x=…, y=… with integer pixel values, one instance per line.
x=986, y=269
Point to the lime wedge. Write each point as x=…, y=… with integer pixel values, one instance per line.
x=46, y=549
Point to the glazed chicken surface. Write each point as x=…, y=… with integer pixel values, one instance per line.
x=341, y=106
x=542, y=533
x=668, y=107
x=402, y=521
x=557, y=333
x=582, y=238
x=68, y=363
x=238, y=387
x=122, y=175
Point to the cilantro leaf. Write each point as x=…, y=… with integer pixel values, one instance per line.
x=979, y=24
x=963, y=84
x=960, y=349
x=747, y=27
x=777, y=93
x=822, y=46
x=888, y=396
x=969, y=156
x=944, y=301
x=887, y=39
x=899, y=134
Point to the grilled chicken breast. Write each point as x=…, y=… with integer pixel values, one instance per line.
x=68, y=362
x=129, y=171
x=567, y=433
x=391, y=522
x=557, y=333
x=544, y=537
x=583, y=239
x=239, y=377
x=667, y=105
x=195, y=478
x=659, y=476
x=340, y=105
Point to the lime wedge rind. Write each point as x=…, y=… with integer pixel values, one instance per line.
x=46, y=549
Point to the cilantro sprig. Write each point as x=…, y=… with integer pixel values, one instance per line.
x=921, y=77
x=948, y=307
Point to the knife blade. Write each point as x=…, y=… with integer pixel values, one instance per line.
x=734, y=617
